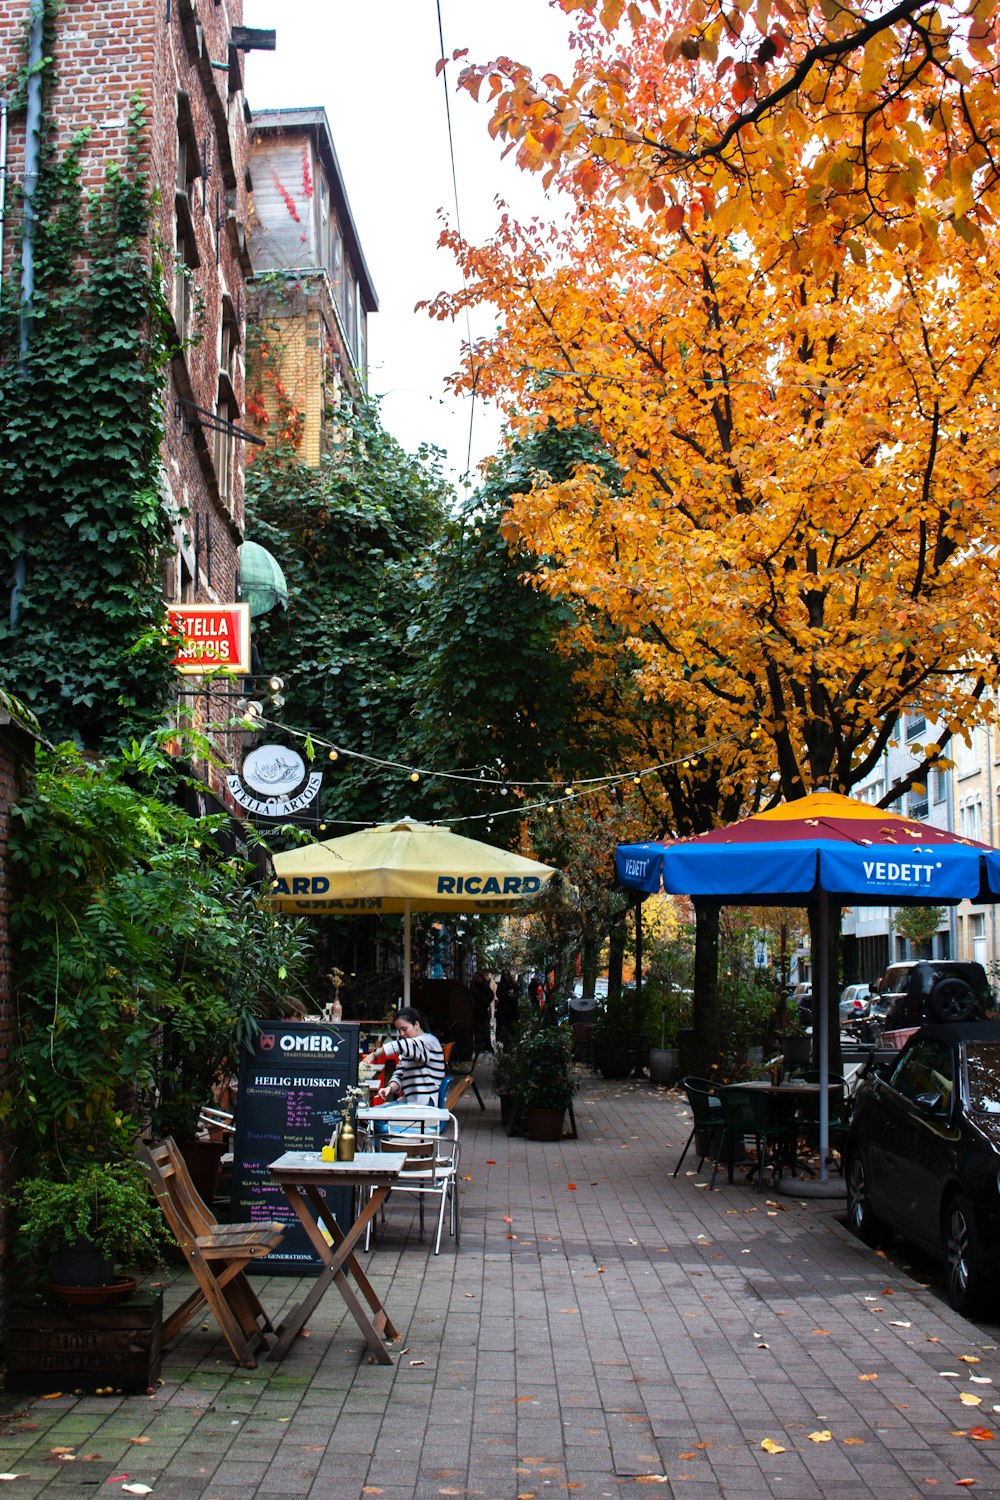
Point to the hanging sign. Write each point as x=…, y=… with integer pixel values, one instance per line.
x=267, y=807
x=273, y=769
x=211, y=637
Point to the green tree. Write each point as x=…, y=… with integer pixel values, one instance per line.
x=352, y=536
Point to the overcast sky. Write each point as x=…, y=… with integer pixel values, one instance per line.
x=371, y=66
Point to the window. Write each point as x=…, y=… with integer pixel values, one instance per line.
x=927, y=1068
x=939, y=785
x=226, y=412
x=967, y=755
x=917, y=805
x=977, y=931
x=229, y=339
x=915, y=726
x=970, y=820
x=186, y=258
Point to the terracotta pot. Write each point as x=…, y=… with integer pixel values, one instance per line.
x=544, y=1124
x=664, y=1065
x=118, y=1290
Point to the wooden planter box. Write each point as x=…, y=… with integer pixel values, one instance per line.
x=52, y=1348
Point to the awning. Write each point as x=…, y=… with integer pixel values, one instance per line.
x=262, y=583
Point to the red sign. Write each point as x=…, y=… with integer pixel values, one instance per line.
x=213, y=637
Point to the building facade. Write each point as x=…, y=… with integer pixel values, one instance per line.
x=311, y=292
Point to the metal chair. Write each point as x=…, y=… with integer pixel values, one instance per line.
x=429, y=1139
x=707, y=1111
x=747, y=1113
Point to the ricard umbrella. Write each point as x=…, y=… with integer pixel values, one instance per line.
x=820, y=850
x=404, y=867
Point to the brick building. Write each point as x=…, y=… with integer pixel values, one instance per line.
x=311, y=292
x=182, y=61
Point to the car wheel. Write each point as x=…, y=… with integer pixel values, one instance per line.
x=861, y=1220
x=965, y=1270
x=952, y=1000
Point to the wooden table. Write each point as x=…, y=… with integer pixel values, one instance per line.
x=301, y=1175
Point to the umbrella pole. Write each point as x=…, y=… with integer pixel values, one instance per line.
x=822, y=968
x=406, y=951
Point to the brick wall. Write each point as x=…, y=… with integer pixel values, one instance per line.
x=173, y=56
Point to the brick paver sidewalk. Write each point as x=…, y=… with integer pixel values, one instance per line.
x=604, y=1327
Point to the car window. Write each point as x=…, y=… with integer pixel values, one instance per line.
x=982, y=1061
x=926, y=1067
x=895, y=982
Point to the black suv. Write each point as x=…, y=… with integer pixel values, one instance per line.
x=929, y=991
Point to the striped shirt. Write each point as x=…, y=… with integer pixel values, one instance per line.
x=420, y=1068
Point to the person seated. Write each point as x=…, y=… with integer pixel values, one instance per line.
x=419, y=1058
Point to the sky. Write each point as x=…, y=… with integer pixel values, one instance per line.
x=371, y=66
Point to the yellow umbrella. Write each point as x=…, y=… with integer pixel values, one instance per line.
x=403, y=867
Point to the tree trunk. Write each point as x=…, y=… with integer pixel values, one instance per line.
x=833, y=970
x=702, y=1050
x=591, y=954
x=616, y=959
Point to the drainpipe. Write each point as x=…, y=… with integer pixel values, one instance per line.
x=32, y=152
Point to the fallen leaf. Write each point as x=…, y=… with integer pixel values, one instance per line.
x=571, y=1187
x=471, y=1296
x=139, y=1440
x=968, y=1399
x=418, y=1361
x=899, y=1323
x=52, y=1396
x=491, y=1163
x=826, y=1436
x=372, y=1489
x=137, y=1489
x=651, y=1479
x=523, y=1398
x=867, y=1377
x=970, y=1359
x=853, y=1442
x=982, y=1379
x=949, y=1374
x=981, y=1434
x=964, y=1481
x=62, y=1450
x=823, y=1332
x=770, y=1446
x=507, y=1219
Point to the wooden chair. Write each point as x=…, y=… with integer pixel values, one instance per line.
x=217, y=1254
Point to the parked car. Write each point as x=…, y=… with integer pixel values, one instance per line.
x=922, y=1157
x=855, y=1003
x=932, y=991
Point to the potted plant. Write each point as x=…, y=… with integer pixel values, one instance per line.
x=74, y=1232
x=665, y=1015
x=620, y=1039
x=506, y=1065
x=546, y=1080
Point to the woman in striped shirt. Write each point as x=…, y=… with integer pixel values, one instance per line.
x=420, y=1066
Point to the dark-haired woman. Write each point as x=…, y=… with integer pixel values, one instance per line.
x=419, y=1058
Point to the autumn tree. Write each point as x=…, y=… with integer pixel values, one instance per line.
x=696, y=110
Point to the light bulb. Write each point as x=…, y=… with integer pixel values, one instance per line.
x=333, y=755
x=275, y=684
x=414, y=775
x=278, y=701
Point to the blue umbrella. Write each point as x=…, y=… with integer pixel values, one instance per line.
x=820, y=850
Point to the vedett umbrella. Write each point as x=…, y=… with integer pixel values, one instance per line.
x=820, y=850
x=404, y=867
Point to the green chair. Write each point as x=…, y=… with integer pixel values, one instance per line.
x=808, y=1114
x=707, y=1112
x=748, y=1113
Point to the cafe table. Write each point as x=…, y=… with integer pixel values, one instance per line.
x=783, y=1100
x=302, y=1175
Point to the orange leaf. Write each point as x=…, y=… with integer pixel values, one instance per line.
x=867, y=1377
x=981, y=1434
x=674, y=218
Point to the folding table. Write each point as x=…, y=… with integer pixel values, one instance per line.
x=301, y=1175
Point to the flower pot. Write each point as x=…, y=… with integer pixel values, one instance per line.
x=82, y=1265
x=508, y=1108
x=664, y=1065
x=544, y=1124
x=119, y=1289
x=203, y=1160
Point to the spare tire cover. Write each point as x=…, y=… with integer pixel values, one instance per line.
x=952, y=999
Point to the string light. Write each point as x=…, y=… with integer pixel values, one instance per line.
x=485, y=779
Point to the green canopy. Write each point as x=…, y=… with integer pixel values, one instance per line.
x=262, y=583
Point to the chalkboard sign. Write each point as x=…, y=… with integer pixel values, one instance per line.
x=289, y=1097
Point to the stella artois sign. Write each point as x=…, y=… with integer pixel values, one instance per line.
x=211, y=637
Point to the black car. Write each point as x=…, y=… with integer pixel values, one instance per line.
x=923, y=1155
x=928, y=991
